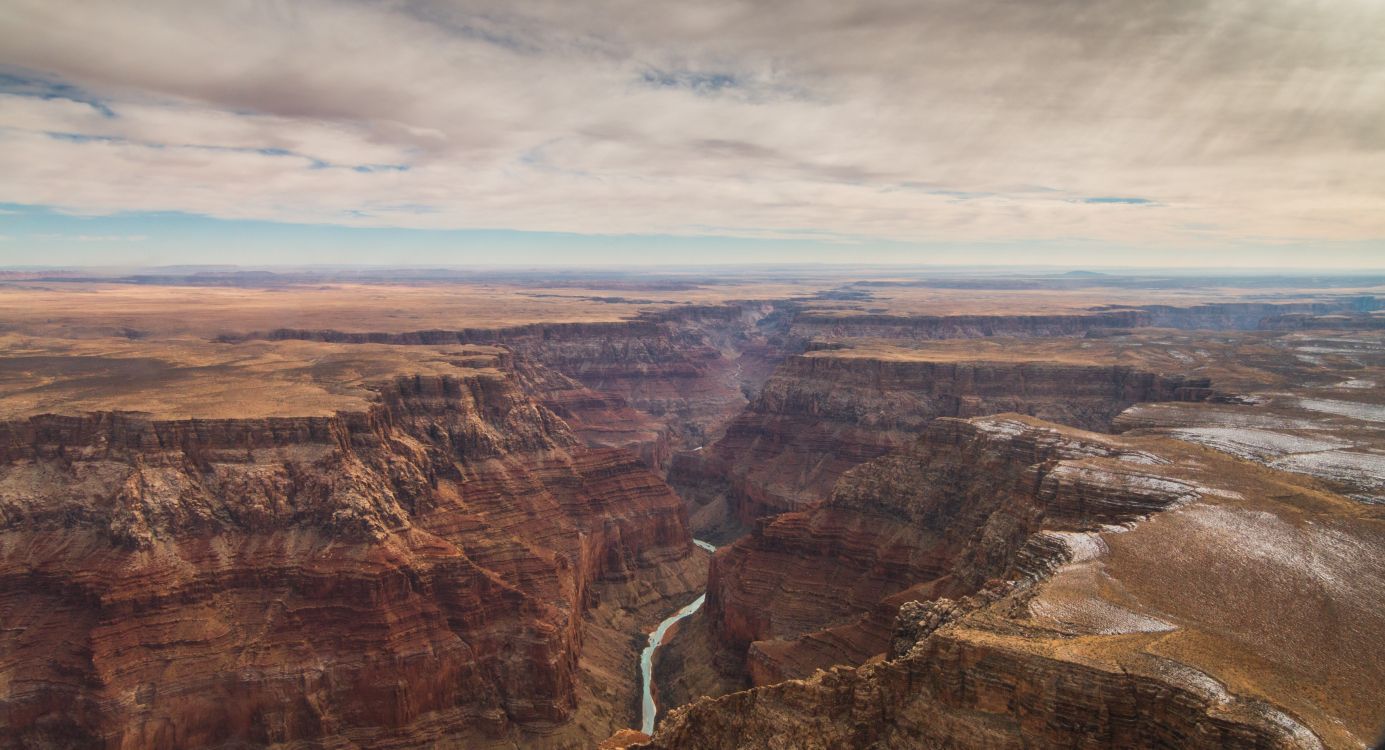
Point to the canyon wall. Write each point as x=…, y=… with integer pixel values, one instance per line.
x=937, y=518
x=1009, y=583
x=824, y=412
x=1241, y=316
x=415, y=573
x=685, y=372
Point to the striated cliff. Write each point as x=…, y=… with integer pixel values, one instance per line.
x=425, y=570
x=826, y=411
x=684, y=372
x=1225, y=316
x=1009, y=583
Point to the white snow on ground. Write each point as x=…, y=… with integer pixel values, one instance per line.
x=1352, y=409
x=1173, y=415
x=1253, y=444
x=1130, y=481
x=1362, y=469
x=1096, y=616
x=1355, y=383
x=1004, y=427
x=1140, y=457
x=1082, y=545
x=1290, y=554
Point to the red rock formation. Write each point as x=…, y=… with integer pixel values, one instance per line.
x=963, y=690
x=1243, y=316
x=412, y=574
x=935, y=519
x=1074, y=588
x=600, y=419
x=820, y=414
x=686, y=370
x=881, y=326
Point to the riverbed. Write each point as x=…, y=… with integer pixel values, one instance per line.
x=649, y=710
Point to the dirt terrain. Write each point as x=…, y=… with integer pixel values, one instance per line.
x=973, y=511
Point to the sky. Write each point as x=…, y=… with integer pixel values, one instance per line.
x=1081, y=132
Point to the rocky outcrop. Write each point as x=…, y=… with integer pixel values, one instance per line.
x=598, y=418
x=417, y=573
x=820, y=414
x=818, y=325
x=1010, y=583
x=686, y=370
x=964, y=689
x=1226, y=316
x=1251, y=316
x=935, y=519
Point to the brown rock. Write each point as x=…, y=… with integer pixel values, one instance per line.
x=417, y=572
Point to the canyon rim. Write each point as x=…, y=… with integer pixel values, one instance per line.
x=438, y=374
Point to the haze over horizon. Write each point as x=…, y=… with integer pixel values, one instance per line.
x=1067, y=133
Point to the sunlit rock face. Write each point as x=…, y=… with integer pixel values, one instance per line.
x=413, y=573
x=821, y=414
x=1006, y=582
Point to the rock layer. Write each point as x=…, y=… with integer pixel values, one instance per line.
x=821, y=414
x=414, y=573
x=1010, y=583
x=686, y=370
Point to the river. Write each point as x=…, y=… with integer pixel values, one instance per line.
x=649, y=709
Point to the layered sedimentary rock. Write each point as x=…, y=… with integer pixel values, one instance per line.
x=935, y=519
x=885, y=326
x=823, y=412
x=415, y=573
x=1250, y=316
x=597, y=418
x=687, y=369
x=1324, y=417
x=1346, y=312
x=1018, y=584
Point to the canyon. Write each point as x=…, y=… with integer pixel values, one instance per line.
x=449, y=515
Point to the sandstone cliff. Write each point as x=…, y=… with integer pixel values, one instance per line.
x=418, y=572
x=1017, y=584
x=1242, y=316
x=685, y=371
x=820, y=414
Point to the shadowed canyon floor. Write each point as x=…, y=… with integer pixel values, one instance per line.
x=953, y=512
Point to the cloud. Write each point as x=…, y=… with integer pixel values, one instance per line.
x=941, y=121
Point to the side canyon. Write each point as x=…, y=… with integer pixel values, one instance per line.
x=1089, y=517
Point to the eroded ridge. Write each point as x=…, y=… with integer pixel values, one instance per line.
x=1008, y=582
x=420, y=569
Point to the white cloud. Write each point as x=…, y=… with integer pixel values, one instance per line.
x=945, y=120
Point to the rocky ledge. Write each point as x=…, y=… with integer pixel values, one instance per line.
x=1006, y=582
x=423, y=571
x=822, y=413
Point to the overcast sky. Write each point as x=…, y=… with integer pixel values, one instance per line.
x=1224, y=132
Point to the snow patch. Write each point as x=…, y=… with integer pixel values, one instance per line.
x=1361, y=469
x=1254, y=444
x=1352, y=409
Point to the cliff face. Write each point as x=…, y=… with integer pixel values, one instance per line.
x=597, y=418
x=935, y=519
x=1009, y=583
x=1226, y=316
x=818, y=416
x=684, y=372
x=818, y=325
x=413, y=573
